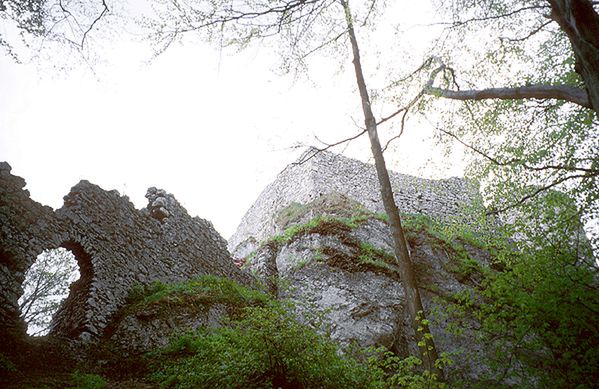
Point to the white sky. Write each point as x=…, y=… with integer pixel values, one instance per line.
x=213, y=129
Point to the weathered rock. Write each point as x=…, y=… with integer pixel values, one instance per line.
x=152, y=328
x=116, y=246
x=345, y=274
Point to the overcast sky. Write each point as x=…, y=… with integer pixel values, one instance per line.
x=212, y=128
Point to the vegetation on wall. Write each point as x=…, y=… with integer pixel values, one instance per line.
x=204, y=290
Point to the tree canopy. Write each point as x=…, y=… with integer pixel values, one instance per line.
x=521, y=83
x=508, y=81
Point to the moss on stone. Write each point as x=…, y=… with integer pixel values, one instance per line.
x=418, y=229
x=202, y=291
x=362, y=257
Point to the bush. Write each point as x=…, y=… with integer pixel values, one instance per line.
x=265, y=346
x=88, y=381
x=264, y=349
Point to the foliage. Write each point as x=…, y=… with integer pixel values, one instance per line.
x=36, y=28
x=46, y=285
x=518, y=148
x=548, y=306
x=27, y=15
x=6, y=364
x=207, y=289
x=267, y=346
x=88, y=381
x=296, y=29
x=405, y=372
x=539, y=315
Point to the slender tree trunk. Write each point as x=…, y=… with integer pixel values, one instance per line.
x=579, y=20
x=428, y=352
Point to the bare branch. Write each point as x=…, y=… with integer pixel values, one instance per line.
x=517, y=161
x=426, y=87
x=323, y=44
x=530, y=34
x=540, y=190
x=459, y=23
x=233, y=15
x=416, y=98
x=370, y=10
x=411, y=75
x=91, y=26
x=317, y=150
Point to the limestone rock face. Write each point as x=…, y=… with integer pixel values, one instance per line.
x=344, y=273
x=116, y=246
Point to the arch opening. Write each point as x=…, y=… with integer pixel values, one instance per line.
x=47, y=284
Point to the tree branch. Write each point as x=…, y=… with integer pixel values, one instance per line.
x=317, y=150
x=459, y=23
x=560, y=92
x=91, y=26
x=517, y=161
x=530, y=34
x=540, y=190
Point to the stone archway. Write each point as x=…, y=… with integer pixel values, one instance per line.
x=71, y=318
x=46, y=285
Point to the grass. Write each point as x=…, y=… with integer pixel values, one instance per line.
x=206, y=289
x=320, y=224
x=451, y=238
x=370, y=255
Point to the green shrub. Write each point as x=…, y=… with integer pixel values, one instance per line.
x=264, y=349
x=392, y=371
x=88, y=381
x=206, y=289
x=538, y=316
x=6, y=364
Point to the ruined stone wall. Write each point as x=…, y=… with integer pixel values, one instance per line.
x=327, y=172
x=116, y=246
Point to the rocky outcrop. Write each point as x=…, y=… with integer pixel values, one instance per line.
x=317, y=174
x=339, y=268
x=116, y=246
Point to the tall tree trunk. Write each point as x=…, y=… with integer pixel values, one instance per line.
x=428, y=352
x=579, y=20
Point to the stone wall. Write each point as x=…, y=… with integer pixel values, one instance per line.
x=327, y=172
x=116, y=246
